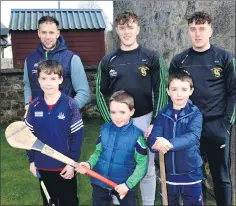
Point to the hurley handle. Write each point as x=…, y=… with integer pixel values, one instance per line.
x=47, y=150
x=163, y=179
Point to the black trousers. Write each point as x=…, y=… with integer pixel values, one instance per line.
x=103, y=197
x=219, y=164
x=63, y=192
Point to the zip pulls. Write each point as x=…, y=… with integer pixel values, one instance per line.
x=46, y=55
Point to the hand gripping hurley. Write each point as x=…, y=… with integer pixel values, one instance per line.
x=19, y=136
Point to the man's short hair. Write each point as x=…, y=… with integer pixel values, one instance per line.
x=50, y=67
x=50, y=19
x=200, y=17
x=183, y=75
x=123, y=97
x=125, y=17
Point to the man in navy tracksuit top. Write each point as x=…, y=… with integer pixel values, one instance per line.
x=55, y=119
x=176, y=132
x=53, y=46
x=139, y=71
x=214, y=75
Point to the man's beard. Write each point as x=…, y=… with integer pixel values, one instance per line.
x=51, y=48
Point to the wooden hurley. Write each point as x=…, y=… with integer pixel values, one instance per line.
x=19, y=136
x=163, y=179
x=45, y=189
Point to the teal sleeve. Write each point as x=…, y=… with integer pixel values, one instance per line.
x=79, y=82
x=140, y=156
x=95, y=156
x=27, y=88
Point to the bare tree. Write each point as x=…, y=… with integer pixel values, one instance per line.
x=94, y=5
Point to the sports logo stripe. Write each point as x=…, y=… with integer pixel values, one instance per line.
x=77, y=129
x=162, y=98
x=102, y=106
x=76, y=123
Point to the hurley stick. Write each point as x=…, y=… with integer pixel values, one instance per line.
x=163, y=179
x=44, y=189
x=19, y=136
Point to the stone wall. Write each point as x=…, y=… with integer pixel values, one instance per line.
x=164, y=28
x=12, y=95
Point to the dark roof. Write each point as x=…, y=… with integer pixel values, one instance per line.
x=27, y=19
x=4, y=30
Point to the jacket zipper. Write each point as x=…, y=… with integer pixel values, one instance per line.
x=174, y=133
x=112, y=156
x=46, y=55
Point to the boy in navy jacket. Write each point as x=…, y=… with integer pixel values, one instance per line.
x=55, y=120
x=176, y=133
x=120, y=155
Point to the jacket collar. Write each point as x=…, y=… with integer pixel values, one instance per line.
x=184, y=111
x=41, y=98
x=60, y=45
x=125, y=127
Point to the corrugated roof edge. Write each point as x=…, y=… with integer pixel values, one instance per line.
x=87, y=21
x=56, y=9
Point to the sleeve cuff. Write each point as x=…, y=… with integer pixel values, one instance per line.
x=128, y=185
x=90, y=165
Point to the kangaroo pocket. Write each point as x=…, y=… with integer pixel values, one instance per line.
x=216, y=129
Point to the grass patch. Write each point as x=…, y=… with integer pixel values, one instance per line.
x=19, y=187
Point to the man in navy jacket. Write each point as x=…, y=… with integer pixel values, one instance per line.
x=53, y=47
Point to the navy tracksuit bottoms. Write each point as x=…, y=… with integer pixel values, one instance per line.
x=103, y=197
x=219, y=164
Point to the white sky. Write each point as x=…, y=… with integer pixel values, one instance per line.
x=6, y=6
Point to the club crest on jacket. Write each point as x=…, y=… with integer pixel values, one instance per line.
x=61, y=116
x=216, y=71
x=143, y=70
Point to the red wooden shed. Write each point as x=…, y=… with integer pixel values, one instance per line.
x=83, y=30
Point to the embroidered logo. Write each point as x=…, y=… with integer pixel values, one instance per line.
x=38, y=114
x=113, y=73
x=34, y=71
x=216, y=71
x=61, y=116
x=143, y=70
x=184, y=120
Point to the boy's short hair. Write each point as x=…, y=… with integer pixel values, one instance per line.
x=123, y=97
x=125, y=17
x=50, y=19
x=200, y=17
x=50, y=67
x=183, y=75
